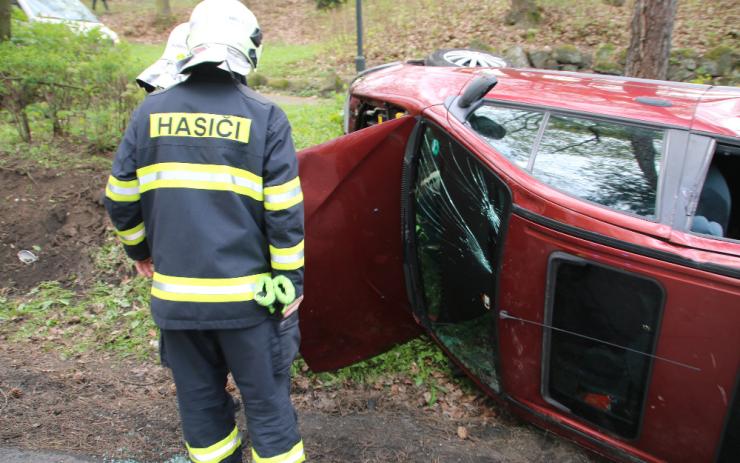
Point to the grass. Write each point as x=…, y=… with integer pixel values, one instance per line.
x=279, y=60
x=315, y=124
x=143, y=55
x=106, y=316
x=420, y=361
x=312, y=124
x=115, y=317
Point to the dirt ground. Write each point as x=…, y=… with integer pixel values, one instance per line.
x=57, y=215
x=124, y=410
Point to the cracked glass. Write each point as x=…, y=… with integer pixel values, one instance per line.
x=459, y=210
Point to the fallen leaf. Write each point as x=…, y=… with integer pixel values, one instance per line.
x=79, y=377
x=462, y=432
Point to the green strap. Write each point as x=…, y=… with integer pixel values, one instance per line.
x=280, y=288
x=264, y=292
x=284, y=291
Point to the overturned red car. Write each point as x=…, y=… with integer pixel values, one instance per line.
x=572, y=241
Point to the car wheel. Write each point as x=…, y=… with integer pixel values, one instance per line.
x=464, y=57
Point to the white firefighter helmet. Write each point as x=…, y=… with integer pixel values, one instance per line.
x=163, y=73
x=225, y=32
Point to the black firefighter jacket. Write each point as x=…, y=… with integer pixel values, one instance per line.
x=206, y=182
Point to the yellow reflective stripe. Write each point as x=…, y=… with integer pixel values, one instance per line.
x=122, y=190
x=218, y=451
x=199, y=125
x=283, y=196
x=123, y=183
x=201, y=177
x=294, y=455
x=287, y=258
x=185, y=289
x=287, y=186
x=132, y=236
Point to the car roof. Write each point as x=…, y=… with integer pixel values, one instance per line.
x=704, y=108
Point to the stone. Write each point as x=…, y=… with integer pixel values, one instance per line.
x=516, y=57
x=724, y=58
x=588, y=60
x=678, y=73
x=569, y=67
x=552, y=64
x=539, y=58
x=606, y=60
x=708, y=67
x=685, y=58
x=567, y=54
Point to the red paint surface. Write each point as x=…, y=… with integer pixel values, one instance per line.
x=685, y=409
x=356, y=304
x=418, y=87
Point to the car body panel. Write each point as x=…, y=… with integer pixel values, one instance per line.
x=610, y=96
x=356, y=304
x=698, y=330
x=693, y=365
x=715, y=105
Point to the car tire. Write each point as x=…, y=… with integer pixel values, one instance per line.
x=464, y=57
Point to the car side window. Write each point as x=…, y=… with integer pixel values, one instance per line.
x=718, y=209
x=511, y=132
x=608, y=163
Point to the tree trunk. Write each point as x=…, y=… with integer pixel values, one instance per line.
x=163, y=8
x=650, y=45
x=4, y=20
x=523, y=13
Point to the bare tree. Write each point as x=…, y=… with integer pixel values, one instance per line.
x=523, y=12
x=650, y=45
x=4, y=20
x=163, y=8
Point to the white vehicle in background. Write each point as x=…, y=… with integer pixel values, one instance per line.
x=70, y=12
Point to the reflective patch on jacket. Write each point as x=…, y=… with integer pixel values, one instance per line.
x=200, y=125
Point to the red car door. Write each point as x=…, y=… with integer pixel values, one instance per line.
x=356, y=303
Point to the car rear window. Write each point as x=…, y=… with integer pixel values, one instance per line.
x=511, y=132
x=609, y=163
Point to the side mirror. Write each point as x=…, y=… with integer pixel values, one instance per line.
x=476, y=90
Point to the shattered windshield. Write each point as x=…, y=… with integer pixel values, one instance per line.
x=71, y=10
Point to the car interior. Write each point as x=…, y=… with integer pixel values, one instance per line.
x=459, y=209
x=718, y=210
x=370, y=114
x=604, y=320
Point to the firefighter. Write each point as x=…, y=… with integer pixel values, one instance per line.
x=205, y=196
x=163, y=73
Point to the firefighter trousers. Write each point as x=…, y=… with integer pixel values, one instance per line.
x=259, y=359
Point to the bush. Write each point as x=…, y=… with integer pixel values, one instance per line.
x=71, y=78
x=326, y=4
